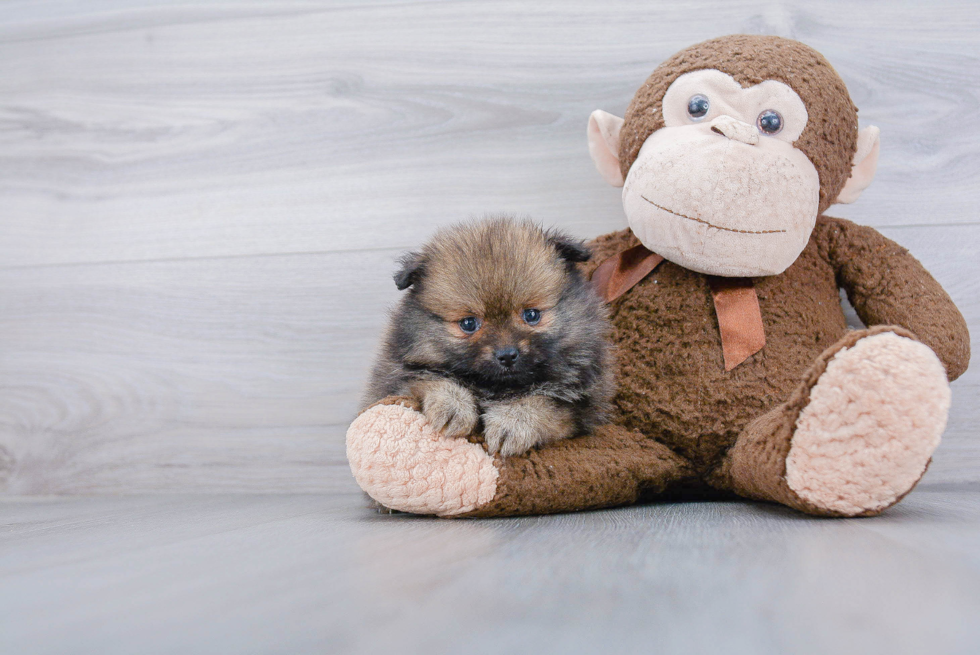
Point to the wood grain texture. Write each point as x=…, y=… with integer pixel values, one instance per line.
x=318, y=574
x=141, y=130
x=242, y=373
x=200, y=205
x=186, y=375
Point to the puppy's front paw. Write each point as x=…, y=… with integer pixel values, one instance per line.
x=450, y=408
x=507, y=436
x=514, y=428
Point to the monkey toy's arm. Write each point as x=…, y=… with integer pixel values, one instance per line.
x=888, y=286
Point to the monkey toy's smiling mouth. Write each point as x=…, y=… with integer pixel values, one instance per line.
x=719, y=206
x=704, y=222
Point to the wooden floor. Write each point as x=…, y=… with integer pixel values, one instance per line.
x=321, y=574
x=200, y=208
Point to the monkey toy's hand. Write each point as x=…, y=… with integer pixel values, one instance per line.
x=449, y=407
x=516, y=426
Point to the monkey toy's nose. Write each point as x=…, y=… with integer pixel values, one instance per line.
x=507, y=356
x=735, y=130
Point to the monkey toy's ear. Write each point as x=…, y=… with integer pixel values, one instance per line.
x=411, y=271
x=865, y=165
x=604, y=145
x=570, y=249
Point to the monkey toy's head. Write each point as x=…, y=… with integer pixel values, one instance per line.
x=730, y=151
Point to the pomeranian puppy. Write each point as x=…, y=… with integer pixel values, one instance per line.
x=498, y=332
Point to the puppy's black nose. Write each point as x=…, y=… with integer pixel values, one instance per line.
x=507, y=356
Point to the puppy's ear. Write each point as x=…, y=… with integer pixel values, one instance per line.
x=570, y=249
x=411, y=271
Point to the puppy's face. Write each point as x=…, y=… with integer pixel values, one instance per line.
x=487, y=295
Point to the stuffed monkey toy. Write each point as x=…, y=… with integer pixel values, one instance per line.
x=737, y=373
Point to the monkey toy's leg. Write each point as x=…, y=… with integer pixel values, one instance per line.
x=401, y=462
x=855, y=436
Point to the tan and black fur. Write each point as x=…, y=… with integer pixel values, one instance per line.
x=520, y=384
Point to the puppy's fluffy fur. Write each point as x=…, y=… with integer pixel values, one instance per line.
x=537, y=368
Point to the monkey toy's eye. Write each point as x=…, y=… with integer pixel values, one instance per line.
x=697, y=107
x=770, y=122
x=532, y=316
x=469, y=325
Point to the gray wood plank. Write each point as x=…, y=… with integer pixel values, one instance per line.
x=209, y=374
x=241, y=374
x=200, y=205
x=146, y=130
x=305, y=574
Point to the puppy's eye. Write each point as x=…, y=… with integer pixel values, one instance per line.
x=770, y=122
x=469, y=325
x=532, y=316
x=698, y=106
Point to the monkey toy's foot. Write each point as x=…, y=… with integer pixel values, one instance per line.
x=874, y=418
x=401, y=462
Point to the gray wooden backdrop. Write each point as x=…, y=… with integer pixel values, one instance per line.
x=200, y=204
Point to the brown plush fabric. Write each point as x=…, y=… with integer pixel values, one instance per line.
x=830, y=137
x=755, y=466
x=612, y=466
x=887, y=285
x=679, y=411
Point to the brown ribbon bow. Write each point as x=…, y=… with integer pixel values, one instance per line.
x=735, y=299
